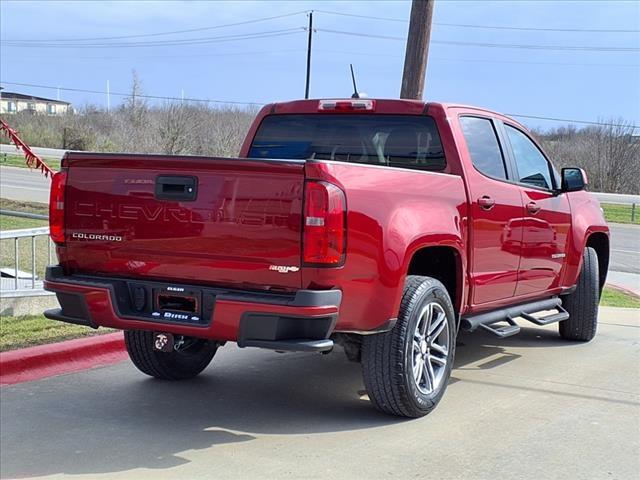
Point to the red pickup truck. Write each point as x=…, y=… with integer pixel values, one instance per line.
x=384, y=226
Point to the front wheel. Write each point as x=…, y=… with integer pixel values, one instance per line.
x=406, y=370
x=582, y=304
x=189, y=357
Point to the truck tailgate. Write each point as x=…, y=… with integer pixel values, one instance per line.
x=230, y=222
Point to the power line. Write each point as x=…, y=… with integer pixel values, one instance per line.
x=477, y=60
x=536, y=29
x=586, y=122
x=168, y=43
x=328, y=12
x=492, y=27
x=320, y=51
x=233, y=102
x=151, y=97
x=162, y=57
x=157, y=34
x=491, y=45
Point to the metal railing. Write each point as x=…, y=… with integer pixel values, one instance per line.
x=20, y=283
x=619, y=198
x=36, y=216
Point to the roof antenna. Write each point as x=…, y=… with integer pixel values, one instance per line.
x=355, y=88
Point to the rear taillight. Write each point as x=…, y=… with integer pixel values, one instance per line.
x=56, y=207
x=324, y=221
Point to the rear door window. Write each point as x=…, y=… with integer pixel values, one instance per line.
x=483, y=146
x=387, y=140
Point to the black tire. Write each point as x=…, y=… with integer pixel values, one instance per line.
x=582, y=304
x=388, y=359
x=176, y=365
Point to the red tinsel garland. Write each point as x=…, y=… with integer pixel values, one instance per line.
x=32, y=160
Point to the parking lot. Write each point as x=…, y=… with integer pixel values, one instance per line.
x=530, y=406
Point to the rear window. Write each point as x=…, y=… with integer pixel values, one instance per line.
x=388, y=140
x=483, y=146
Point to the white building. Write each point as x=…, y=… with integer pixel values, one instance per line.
x=11, y=102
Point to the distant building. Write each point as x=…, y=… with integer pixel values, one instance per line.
x=11, y=102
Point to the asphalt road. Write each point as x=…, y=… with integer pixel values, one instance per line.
x=55, y=153
x=24, y=184
x=625, y=248
x=527, y=407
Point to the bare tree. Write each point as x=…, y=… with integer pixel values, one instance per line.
x=610, y=153
x=176, y=127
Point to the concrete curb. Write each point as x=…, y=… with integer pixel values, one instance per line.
x=622, y=289
x=34, y=363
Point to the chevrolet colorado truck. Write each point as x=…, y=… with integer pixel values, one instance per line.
x=384, y=226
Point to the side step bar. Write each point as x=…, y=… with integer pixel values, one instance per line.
x=502, y=331
x=487, y=320
x=553, y=318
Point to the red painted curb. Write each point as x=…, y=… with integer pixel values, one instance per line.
x=34, y=363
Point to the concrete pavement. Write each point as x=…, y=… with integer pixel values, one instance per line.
x=528, y=407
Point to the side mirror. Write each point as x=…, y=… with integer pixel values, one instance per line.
x=573, y=179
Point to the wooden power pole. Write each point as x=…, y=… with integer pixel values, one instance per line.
x=415, y=59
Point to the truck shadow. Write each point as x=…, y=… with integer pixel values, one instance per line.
x=479, y=345
x=114, y=419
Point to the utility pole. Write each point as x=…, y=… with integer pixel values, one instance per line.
x=306, y=89
x=108, y=98
x=415, y=59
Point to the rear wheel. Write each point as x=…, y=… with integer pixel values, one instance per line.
x=189, y=357
x=406, y=370
x=582, y=304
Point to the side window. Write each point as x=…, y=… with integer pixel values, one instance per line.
x=533, y=168
x=483, y=146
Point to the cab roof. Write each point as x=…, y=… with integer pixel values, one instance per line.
x=382, y=106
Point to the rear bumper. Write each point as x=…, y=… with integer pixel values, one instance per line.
x=299, y=321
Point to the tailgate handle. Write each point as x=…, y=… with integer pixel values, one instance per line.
x=169, y=187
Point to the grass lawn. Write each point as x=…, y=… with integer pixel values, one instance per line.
x=19, y=332
x=20, y=206
x=13, y=223
x=17, y=160
x=612, y=297
x=620, y=213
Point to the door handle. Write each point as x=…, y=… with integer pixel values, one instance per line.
x=176, y=188
x=486, y=203
x=533, y=208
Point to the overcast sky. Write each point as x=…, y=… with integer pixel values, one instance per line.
x=598, y=77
